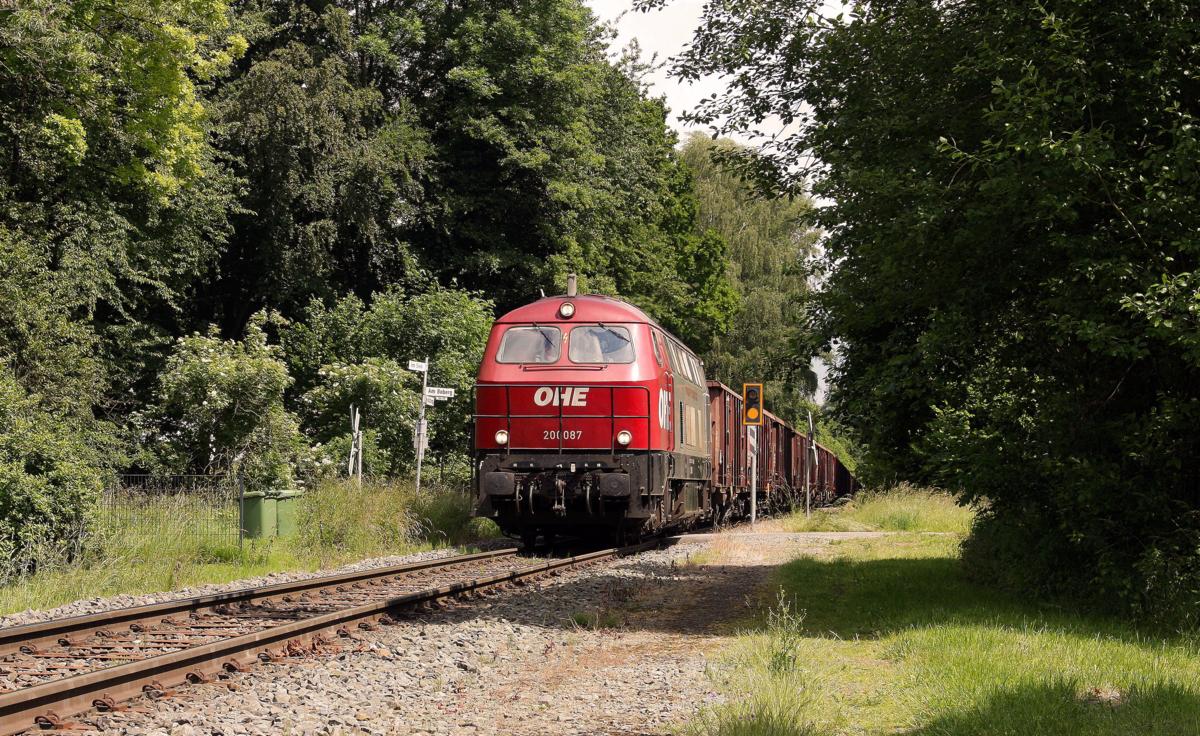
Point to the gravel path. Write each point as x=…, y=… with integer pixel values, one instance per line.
x=97, y=605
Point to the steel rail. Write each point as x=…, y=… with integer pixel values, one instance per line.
x=49, y=703
x=12, y=639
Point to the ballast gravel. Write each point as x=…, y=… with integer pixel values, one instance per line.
x=618, y=647
x=99, y=605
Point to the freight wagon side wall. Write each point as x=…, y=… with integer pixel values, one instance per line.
x=784, y=455
x=728, y=438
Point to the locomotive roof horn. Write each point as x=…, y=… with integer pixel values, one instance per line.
x=571, y=285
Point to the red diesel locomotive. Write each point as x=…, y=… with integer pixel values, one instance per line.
x=590, y=418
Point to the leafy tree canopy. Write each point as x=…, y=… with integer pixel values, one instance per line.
x=770, y=246
x=1012, y=248
x=108, y=180
x=378, y=177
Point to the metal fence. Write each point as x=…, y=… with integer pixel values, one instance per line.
x=206, y=509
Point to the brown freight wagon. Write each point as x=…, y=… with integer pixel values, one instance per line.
x=784, y=458
x=731, y=452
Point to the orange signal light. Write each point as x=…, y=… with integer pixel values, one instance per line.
x=752, y=403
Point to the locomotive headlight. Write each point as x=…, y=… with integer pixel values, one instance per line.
x=624, y=437
x=502, y=437
x=567, y=310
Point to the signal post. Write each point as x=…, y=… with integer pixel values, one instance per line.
x=752, y=419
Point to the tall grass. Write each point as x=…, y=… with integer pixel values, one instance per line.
x=902, y=508
x=155, y=549
x=885, y=636
x=337, y=520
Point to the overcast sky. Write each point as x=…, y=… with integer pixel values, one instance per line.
x=664, y=32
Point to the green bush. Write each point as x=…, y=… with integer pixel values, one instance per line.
x=386, y=393
x=1022, y=551
x=220, y=410
x=357, y=353
x=50, y=479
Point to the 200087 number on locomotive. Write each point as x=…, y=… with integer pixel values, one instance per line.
x=565, y=434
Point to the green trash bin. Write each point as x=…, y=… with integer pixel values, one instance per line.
x=285, y=512
x=259, y=514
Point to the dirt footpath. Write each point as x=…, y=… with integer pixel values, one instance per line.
x=618, y=648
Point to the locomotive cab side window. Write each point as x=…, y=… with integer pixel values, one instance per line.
x=600, y=344
x=530, y=345
x=684, y=364
x=676, y=361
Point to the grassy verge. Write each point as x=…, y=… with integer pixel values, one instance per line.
x=904, y=508
x=154, y=549
x=885, y=636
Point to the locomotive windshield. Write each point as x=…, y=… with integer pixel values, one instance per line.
x=530, y=345
x=600, y=344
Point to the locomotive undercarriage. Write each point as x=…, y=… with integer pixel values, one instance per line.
x=600, y=496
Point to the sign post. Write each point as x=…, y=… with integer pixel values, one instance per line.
x=752, y=438
x=812, y=453
x=421, y=367
x=430, y=395
x=354, y=466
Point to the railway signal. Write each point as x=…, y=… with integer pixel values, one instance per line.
x=752, y=404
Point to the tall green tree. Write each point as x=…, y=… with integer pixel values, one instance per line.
x=549, y=158
x=110, y=205
x=1012, y=252
x=490, y=145
x=328, y=166
x=770, y=245
x=106, y=173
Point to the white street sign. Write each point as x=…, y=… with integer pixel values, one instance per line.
x=439, y=393
x=419, y=366
x=430, y=401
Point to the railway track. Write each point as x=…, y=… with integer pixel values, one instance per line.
x=52, y=670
